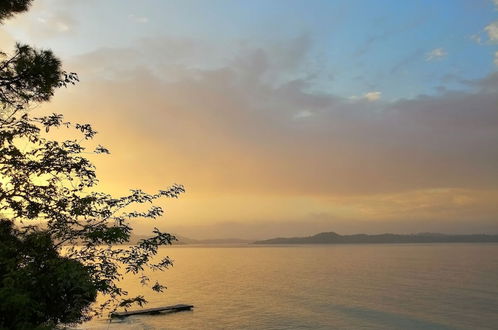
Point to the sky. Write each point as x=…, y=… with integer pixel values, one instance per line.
x=286, y=117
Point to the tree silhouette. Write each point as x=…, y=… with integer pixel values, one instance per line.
x=39, y=287
x=10, y=7
x=51, y=181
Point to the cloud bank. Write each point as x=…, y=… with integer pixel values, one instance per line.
x=251, y=137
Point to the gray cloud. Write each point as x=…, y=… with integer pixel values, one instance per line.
x=171, y=111
x=447, y=140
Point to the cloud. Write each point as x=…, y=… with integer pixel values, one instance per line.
x=492, y=30
x=435, y=54
x=496, y=58
x=476, y=38
x=245, y=128
x=59, y=22
x=43, y=24
x=408, y=144
x=372, y=96
x=49, y=18
x=302, y=114
x=138, y=19
x=369, y=96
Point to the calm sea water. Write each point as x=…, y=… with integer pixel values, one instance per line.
x=392, y=286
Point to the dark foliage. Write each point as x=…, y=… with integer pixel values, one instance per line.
x=38, y=287
x=30, y=75
x=10, y=7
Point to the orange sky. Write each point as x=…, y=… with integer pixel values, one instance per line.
x=249, y=166
x=262, y=150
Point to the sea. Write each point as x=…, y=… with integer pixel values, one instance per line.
x=351, y=286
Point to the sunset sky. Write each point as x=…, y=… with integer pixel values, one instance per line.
x=286, y=117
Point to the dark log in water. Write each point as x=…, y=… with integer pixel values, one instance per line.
x=157, y=310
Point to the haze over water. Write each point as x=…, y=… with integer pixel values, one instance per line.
x=383, y=286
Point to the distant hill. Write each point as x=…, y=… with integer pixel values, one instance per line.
x=334, y=238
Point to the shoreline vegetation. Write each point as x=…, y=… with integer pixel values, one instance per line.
x=334, y=238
